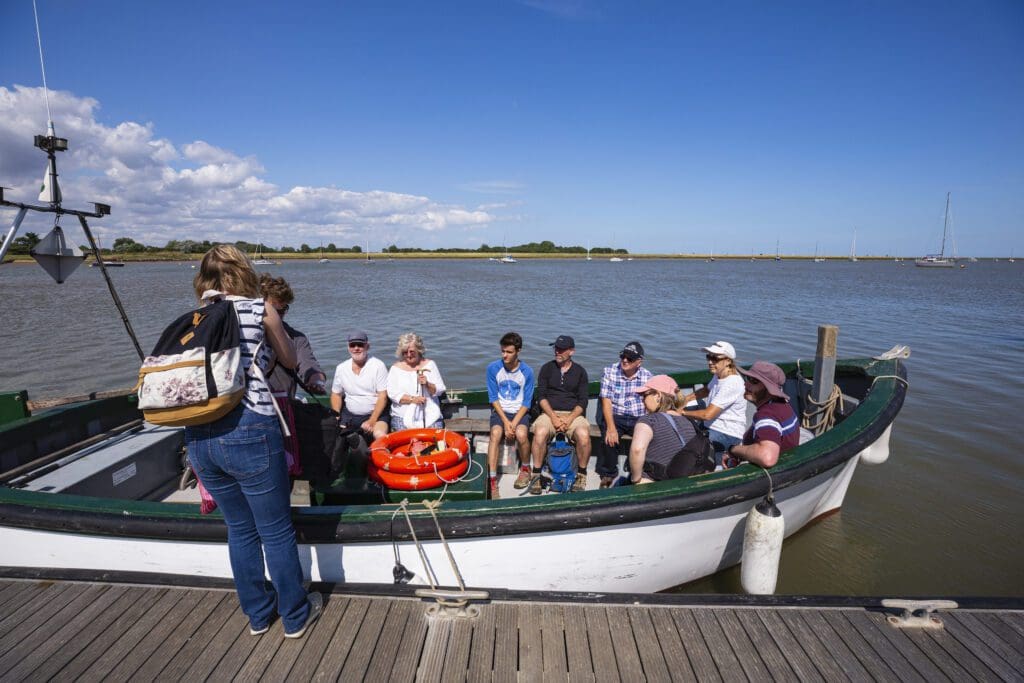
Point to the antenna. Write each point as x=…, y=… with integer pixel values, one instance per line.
x=42, y=67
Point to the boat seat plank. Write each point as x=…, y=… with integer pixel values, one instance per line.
x=481, y=650
x=775, y=661
x=25, y=657
x=796, y=658
x=602, y=652
x=859, y=646
x=177, y=639
x=898, y=639
x=893, y=658
x=972, y=651
x=219, y=645
x=552, y=629
x=174, y=669
x=183, y=604
x=746, y=650
x=408, y=657
x=34, y=611
x=341, y=641
x=390, y=641
x=721, y=649
x=531, y=653
x=366, y=640
x=852, y=668
x=974, y=632
x=99, y=636
x=506, y=643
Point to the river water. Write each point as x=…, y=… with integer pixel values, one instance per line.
x=942, y=517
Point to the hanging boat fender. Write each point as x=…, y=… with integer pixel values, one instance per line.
x=762, y=548
x=878, y=452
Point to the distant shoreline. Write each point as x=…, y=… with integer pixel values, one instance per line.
x=473, y=255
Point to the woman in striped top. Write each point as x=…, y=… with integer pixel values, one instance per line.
x=240, y=457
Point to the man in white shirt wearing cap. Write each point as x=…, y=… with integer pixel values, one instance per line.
x=359, y=391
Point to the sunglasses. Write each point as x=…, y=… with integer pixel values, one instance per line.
x=558, y=350
x=714, y=359
x=751, y=380
x=356, y=345
x=282, y=309
x=410, y=352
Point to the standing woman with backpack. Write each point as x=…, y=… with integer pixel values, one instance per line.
x=240, y=457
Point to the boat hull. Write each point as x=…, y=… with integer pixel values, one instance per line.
x=623, y=539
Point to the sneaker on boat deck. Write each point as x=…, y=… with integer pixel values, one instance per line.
x=537, y=487
x=316, y=606
x=580, y=484
x=523, y=480
x=606, y=482
x=492, y=486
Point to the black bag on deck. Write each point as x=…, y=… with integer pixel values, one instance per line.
x=697, y=456
x=316, y=428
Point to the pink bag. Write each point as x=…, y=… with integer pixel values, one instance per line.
x=291, y=442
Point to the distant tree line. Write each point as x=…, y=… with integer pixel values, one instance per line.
x=126, y=245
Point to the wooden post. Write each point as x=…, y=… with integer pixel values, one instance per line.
x=824, y=369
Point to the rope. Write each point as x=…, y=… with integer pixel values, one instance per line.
x=822, y=417
x=427, y=569
x=42, y=65
x=431, y=505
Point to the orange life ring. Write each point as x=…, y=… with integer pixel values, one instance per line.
x=417, y=482
x=390, y=453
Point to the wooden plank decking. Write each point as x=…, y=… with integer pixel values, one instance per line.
x=58, y=630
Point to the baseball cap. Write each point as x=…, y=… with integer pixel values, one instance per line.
x=632, y=351
x=662, y=383
x=721, y=348
x=563, y=341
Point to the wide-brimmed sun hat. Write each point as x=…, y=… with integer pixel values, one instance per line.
x=770, y=375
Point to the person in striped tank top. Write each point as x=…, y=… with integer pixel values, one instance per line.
x=240, y=458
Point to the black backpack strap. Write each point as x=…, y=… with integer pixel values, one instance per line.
x=675, y=427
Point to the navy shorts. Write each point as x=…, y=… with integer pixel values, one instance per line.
x=348, y=419
x=496, y=421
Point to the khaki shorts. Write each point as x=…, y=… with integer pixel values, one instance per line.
x=544, y=421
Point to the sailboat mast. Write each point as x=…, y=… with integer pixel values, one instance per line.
x=945, y=228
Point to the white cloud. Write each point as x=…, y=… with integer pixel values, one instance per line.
x=161, y=191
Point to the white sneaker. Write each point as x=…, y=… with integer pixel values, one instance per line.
x=316, y=606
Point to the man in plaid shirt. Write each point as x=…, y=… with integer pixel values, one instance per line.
x=620, y=407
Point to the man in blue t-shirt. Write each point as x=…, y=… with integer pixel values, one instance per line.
x=510, y=390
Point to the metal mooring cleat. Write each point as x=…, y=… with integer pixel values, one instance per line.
x=917, y=613
x=452, y=603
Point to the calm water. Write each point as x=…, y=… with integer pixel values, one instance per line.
x=943, y=516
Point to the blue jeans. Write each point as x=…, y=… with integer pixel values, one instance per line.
x=240, y=460
x=721, y=441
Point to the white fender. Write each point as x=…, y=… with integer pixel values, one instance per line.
x=878, y=452
x=762, y=548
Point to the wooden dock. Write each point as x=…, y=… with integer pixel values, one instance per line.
x=64, y=630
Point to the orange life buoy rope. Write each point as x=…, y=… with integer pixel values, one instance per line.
x=419, y=481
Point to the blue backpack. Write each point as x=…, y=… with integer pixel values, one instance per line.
x=561, y=464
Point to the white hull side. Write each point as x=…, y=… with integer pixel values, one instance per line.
x=637, y=557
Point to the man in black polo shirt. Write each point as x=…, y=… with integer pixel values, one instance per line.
x=562, y=395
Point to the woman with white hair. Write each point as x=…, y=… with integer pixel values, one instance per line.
x=726, y=412
x=414, y=385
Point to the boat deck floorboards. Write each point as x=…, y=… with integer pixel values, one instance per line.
x=63, y=630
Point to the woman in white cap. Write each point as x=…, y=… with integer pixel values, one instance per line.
x=726, y=412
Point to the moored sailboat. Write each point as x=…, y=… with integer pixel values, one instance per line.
x=939, y=260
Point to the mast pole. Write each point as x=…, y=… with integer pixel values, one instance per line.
x=945, y=227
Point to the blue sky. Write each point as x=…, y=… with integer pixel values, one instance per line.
x=664, y=127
